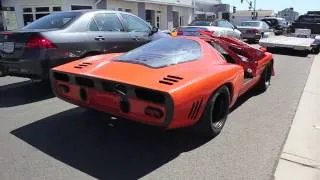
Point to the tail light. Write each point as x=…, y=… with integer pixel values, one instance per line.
x=6, y=33
x=40, y=42
x=252, y=31
x=179, y=33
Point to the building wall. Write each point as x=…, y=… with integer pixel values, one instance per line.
x=288, y=14
x=184, y=8
x=245, y=15
x=116, y=4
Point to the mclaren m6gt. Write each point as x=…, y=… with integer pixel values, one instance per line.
x=171, y=82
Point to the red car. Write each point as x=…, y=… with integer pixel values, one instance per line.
x=171, y=83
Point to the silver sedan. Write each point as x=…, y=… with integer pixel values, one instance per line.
x=254, y=30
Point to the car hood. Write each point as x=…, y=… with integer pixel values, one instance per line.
x=103, y=67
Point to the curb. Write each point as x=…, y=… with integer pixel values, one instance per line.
x=300, y=156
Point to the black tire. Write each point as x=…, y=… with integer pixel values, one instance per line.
x=215, y=114
x=316, y=50
x=265, y=79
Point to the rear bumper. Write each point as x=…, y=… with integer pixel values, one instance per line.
x=24, y=68
x=251, y=36
x=97, y=97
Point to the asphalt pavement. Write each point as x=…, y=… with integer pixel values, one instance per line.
x=42, y=137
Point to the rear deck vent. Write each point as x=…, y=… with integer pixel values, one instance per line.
x=194, y=111
x=82, y=65
x=61, y=76
x=150, y=95
x=170, y=80
x=85, y=82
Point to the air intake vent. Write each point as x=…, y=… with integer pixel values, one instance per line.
x=85, y=82
x=61, y=76
x=194, y=111
x=170, y=80
x=82, y=65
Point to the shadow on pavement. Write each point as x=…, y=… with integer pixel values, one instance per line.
x=245, y=97
x=121, y=150
x=23, y=93
x=288, y=52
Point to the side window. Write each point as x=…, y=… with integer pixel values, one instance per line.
x=265, y=25
x=105, y=22
x=228, y=25
x=221, y=23
x=135, y=24
x=93, y=26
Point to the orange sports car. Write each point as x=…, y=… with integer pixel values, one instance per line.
x=172, y=82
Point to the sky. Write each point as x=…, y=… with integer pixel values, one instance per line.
x=301, y=6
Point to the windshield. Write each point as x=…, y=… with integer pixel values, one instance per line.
x=201, y=23
x=53, y=21
x=163, y=52
x=309, y=19
x=249, y=23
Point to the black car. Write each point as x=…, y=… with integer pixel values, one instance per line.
x=279, y=25
x=308, y=21
x=65, y=36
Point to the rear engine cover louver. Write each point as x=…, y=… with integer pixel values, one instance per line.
x=82, y=65
x=170, y=80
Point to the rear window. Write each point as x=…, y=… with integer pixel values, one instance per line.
x=271, y=22
x=163, y=52
x=251, y=24
x=54, y=21
x=201, y=23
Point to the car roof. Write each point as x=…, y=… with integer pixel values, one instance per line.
x=253, y=21
x=273, y=18
x=85, y=11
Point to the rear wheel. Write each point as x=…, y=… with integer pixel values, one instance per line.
x=215, y=114
x=265, y=79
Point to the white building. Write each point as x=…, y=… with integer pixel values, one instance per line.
x=246, y=15
x=164, y=14
x=288, y=14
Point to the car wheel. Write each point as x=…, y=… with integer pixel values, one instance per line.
x=316, y=50
x=215, y=114
x=265, y=79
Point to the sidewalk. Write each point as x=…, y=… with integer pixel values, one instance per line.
x=300, y=157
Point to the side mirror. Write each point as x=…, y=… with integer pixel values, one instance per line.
x=154, y=30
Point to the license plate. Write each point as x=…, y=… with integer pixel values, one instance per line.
x=7, y=47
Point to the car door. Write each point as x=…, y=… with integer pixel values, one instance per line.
x=138, y=29
x=223, y=30
x=107, y=31
x=233, y=31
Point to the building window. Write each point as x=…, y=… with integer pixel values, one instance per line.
x=56, y=8
x=75, y=7
x=32, y=13
x=42, y=11
x=128, y=10
x=119, y=9
x=181, y=21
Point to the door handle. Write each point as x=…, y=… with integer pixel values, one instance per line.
x=99, y=38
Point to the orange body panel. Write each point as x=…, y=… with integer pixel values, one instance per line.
x=185, y=100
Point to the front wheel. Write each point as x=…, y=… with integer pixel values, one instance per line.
x=215, y=114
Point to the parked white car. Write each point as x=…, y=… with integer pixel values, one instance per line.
x=219, y=27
